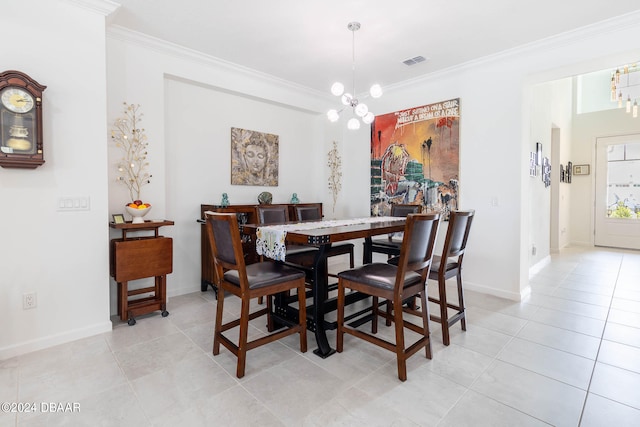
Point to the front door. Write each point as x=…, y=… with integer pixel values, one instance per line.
x=617, y=209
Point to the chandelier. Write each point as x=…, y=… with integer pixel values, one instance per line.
x=625, y=87
x=360, y=109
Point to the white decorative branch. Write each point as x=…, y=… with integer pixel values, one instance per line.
x=133, y=142
x=335, y=178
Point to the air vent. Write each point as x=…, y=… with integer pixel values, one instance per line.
x=415, y=60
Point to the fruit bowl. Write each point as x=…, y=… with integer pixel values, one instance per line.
x=137, y=213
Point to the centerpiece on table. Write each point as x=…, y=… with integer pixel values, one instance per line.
x=132, y=168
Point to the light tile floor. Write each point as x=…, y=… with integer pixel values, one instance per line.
x=568, y=355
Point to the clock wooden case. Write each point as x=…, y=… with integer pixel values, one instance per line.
x=20, y=121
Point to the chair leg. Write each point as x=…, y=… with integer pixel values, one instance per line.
x=340, y=320
x=463, y=319
x=425, y=322
x=374, y=315
x=400, y=351
x=302, y=317
x=218, y=326
x=444, y=317
x=270, y=325
x=389, y=313
x=367, y=254
x=242, y=340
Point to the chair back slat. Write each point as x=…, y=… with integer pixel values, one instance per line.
x=420, y=234
x=223, y=239
x=404, y=210
x=226, y=244
x=457, y=233
x=272, y=214
x=308, y=213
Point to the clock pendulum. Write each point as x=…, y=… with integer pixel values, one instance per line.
x=19, y=135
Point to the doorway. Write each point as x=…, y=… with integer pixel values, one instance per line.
x=617, y=201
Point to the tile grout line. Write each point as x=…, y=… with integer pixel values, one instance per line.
x=595, y=362
x=512, y=337
x=129, y=382
x=495, y=359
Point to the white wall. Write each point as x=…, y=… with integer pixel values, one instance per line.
x=490, y=165
x=549, y=208
x=499, y=127
x=198, y=146
x=190, y=103
x=61, y=256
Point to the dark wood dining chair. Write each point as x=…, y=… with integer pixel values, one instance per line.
x=272, y=214
x=263, y=279
x=298, y=256
x=314, y=213
x=395, y=283
x=449, y=265
x=308, y=213
x=389, y=245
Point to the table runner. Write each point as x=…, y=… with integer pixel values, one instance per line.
x=270, y=239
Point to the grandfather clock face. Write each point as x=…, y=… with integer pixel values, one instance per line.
x=21, y=143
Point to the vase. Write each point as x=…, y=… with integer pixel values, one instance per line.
x=137, y=214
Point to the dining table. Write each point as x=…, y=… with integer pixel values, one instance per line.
x=271, y=241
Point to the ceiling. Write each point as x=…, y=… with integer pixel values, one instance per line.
x=307, y=42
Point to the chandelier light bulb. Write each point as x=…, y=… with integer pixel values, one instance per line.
x=353, y=124
x=628, y=104
x=368, y=118
x=375, y=91
x=635, y=108
x=346, y=99
x=362, y=109
x=337, y=89
x=620, y=100
x=333, y=115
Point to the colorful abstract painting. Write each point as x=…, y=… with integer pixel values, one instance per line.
x=415, y=158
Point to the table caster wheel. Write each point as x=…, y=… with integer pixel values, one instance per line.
x=165, y=313
x=132, y=321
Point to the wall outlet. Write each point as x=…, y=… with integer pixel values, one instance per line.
x=29, y=300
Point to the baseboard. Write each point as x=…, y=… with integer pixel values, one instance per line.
x=53, y=340
x=535, y=269
x=580, y=243
x=182, y=290
x=514, y=296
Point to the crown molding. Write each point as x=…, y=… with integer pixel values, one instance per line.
x=103, y=7
x=629, y=20
x=118, y=32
